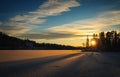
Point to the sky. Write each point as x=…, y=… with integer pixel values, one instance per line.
x=58, y=21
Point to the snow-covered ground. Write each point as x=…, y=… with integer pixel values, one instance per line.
x=15, y=55
x=59, y=63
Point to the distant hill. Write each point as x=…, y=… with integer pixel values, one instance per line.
x=13, y=43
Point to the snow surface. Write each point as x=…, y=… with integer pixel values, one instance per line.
x=59, y=63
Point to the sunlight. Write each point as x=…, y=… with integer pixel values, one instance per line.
x=93, y=42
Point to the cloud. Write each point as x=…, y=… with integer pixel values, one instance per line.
x=49, y=8
x=91, y=25
x=33, y=18
x=81, y=28
x=9, y=28
x=55, y=7
x=48, y=35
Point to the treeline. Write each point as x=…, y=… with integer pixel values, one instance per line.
x=13, y=43
x=109, y=41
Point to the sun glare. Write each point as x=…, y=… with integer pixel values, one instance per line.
x=93, y=43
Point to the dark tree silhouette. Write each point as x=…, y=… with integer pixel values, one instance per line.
x=111, y=42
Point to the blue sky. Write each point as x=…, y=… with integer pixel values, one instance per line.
x=57, y=21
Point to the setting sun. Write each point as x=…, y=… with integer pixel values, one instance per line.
x=93, y=42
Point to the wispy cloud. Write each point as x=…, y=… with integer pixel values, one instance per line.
x=91, y=25
x=80, y=28
x=49, y=8
x=33, y=18
x=48, y=35
x=55, y=7
x=11, y=29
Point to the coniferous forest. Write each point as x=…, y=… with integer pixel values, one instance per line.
x=109, y=41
